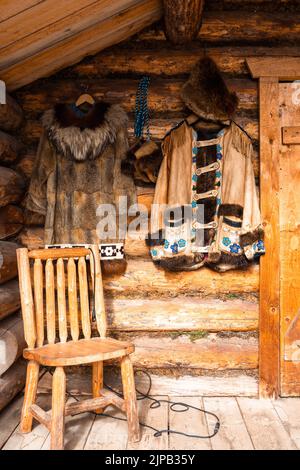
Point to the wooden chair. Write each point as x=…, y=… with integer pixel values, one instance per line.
x=46, y=350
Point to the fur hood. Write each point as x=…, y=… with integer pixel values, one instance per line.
x=83, y=136
x=206, y=93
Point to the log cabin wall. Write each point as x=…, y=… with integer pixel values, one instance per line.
x=195, y=323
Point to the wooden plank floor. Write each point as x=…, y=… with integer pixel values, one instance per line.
x=246, y=423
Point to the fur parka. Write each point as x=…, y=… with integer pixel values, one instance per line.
x=78, y=167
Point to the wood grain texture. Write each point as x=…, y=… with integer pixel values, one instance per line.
x=12, y=341
x=291, y=135
x=84, y=351
x=11, y=221
x=61, y=301
x=281, y=68
x=88, y=41
x=10, y=147
x=30, y=395
x=58, y=409
x=130, y=399
x=209, y=353
x=26, y=297
x=50, y=302
x=9, y=298
x=182, y=19
x=97, y=382
x=269, y=265
x=289, y=244
x=72, y=299
x=39, y=300
x=84, y=298
x=12, y=382
x=12, y=186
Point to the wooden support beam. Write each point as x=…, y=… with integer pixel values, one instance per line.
x=95, y=403
x=269, y=349
x=87, y=42
x=279, y=68
x=291, y=135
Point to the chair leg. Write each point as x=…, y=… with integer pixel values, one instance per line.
x=130, y=399
x=32, y=378
x=97, y=382
x=58, y=409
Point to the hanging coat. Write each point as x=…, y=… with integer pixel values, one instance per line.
x=78, y=167
x=216, y=175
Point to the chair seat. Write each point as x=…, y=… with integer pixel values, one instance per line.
x=83, y=351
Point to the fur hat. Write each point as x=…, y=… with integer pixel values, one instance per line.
x=206, y=94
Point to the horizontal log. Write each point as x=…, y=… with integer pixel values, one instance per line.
x=12, y=382
x=231, y=27
x=10, y=147
x=11, y=115
x=11, y=221
x=12, y=186
x=164, y=94
x=153, y=280
x=95, y=403
x=181, y=314
x=143, y=278
x=227, y=383
x=9, y=298
x=152, y=60
x=8, y=261
x=210, y=353
x=12, y=341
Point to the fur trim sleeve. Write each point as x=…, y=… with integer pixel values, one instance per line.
x=44, y=164
x=123, y=184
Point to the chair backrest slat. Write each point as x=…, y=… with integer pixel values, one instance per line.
x=39, y=300
x=26, y=297
x=61, y=300
x=84, y=298
x=50, y=301
x=50, y=292
x=98, y=293
x=72, y=297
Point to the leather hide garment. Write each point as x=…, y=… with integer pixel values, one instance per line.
x=78, y=167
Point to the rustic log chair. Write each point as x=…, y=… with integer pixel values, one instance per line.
x=45, y=351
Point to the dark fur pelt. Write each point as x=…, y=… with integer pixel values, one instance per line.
x=251, y=237
x=206, y=93
x=226, y=262
x=183, y=263
x=231, y=210
x=143, y=169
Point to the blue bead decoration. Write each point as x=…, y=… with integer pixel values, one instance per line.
x=226, y=241
x=154, y=252
x=194, y=178
x=166, y=245
x=219, y=156
x=234, y=248
x=181, y=243
x=218, y=201
x=194, y=204
x=218, y=174
x=174, y=248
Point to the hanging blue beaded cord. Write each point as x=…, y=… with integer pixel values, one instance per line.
x=141, y=109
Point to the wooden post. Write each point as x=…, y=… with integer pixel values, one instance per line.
x=269, y=349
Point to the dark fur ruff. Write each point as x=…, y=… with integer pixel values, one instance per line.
x=231, y=210
x=73, y=137
x=206, y=93
x=251, y=237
